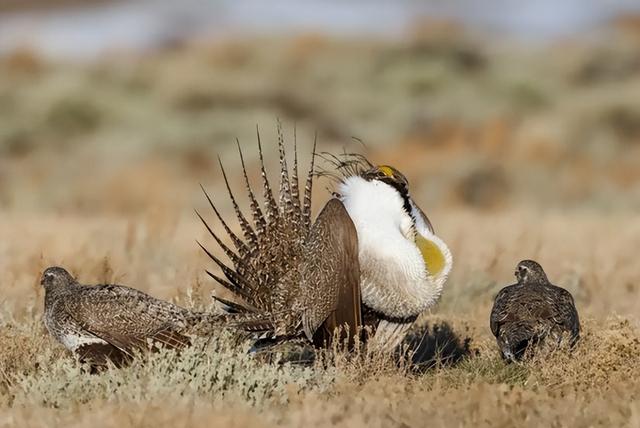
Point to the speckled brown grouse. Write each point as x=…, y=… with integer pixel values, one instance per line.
x=111, y=322
x=526, y=313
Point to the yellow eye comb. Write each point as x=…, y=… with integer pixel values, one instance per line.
x=386, y=170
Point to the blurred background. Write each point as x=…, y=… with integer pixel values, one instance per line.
x=118, y=109
x=108, y=105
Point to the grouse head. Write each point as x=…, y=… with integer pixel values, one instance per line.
x=394, y=178
x=530, y=272
x=56, y=277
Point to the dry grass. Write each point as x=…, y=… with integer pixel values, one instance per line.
x=596, y=383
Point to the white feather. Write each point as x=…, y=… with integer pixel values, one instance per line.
x=73, y=341
x=394, y=277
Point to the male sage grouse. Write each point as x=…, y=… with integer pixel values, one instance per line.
x=370, y=256
x=111, y=322
x=403, y=264
x=526, y=313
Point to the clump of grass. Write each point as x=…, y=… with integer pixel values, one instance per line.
x=22, y=341
x=219, y=380
x=215, y=369
x=603, y=357
x=488, y=368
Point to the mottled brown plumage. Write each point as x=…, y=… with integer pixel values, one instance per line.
x=111, y=322
x=291, y=276
x=526, y=313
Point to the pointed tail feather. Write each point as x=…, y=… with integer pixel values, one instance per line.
x=285, y=203
x=239, y=282
x=256, y=212
x=234, y=288
x=295, y=183
x=308, y=187
x=269, y=201
x=235, y=259
x=248, y=232
x=240, y=246
x=267, y=250
x=233, y=307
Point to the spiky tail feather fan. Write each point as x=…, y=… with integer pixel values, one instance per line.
x=271, y=245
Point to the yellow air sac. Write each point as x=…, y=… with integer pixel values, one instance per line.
x=432, y=255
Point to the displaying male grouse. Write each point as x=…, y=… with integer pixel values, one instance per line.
x=371, y=249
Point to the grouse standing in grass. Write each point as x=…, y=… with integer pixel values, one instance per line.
x=111, y=322
x=526, y=313
x=370, y=258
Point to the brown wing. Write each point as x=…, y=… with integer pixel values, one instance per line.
x=330, y=276
x=565, y=313
x=126, y=318
x=502, y=308
x=498, y=311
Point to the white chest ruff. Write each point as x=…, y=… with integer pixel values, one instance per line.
x=394, y=277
